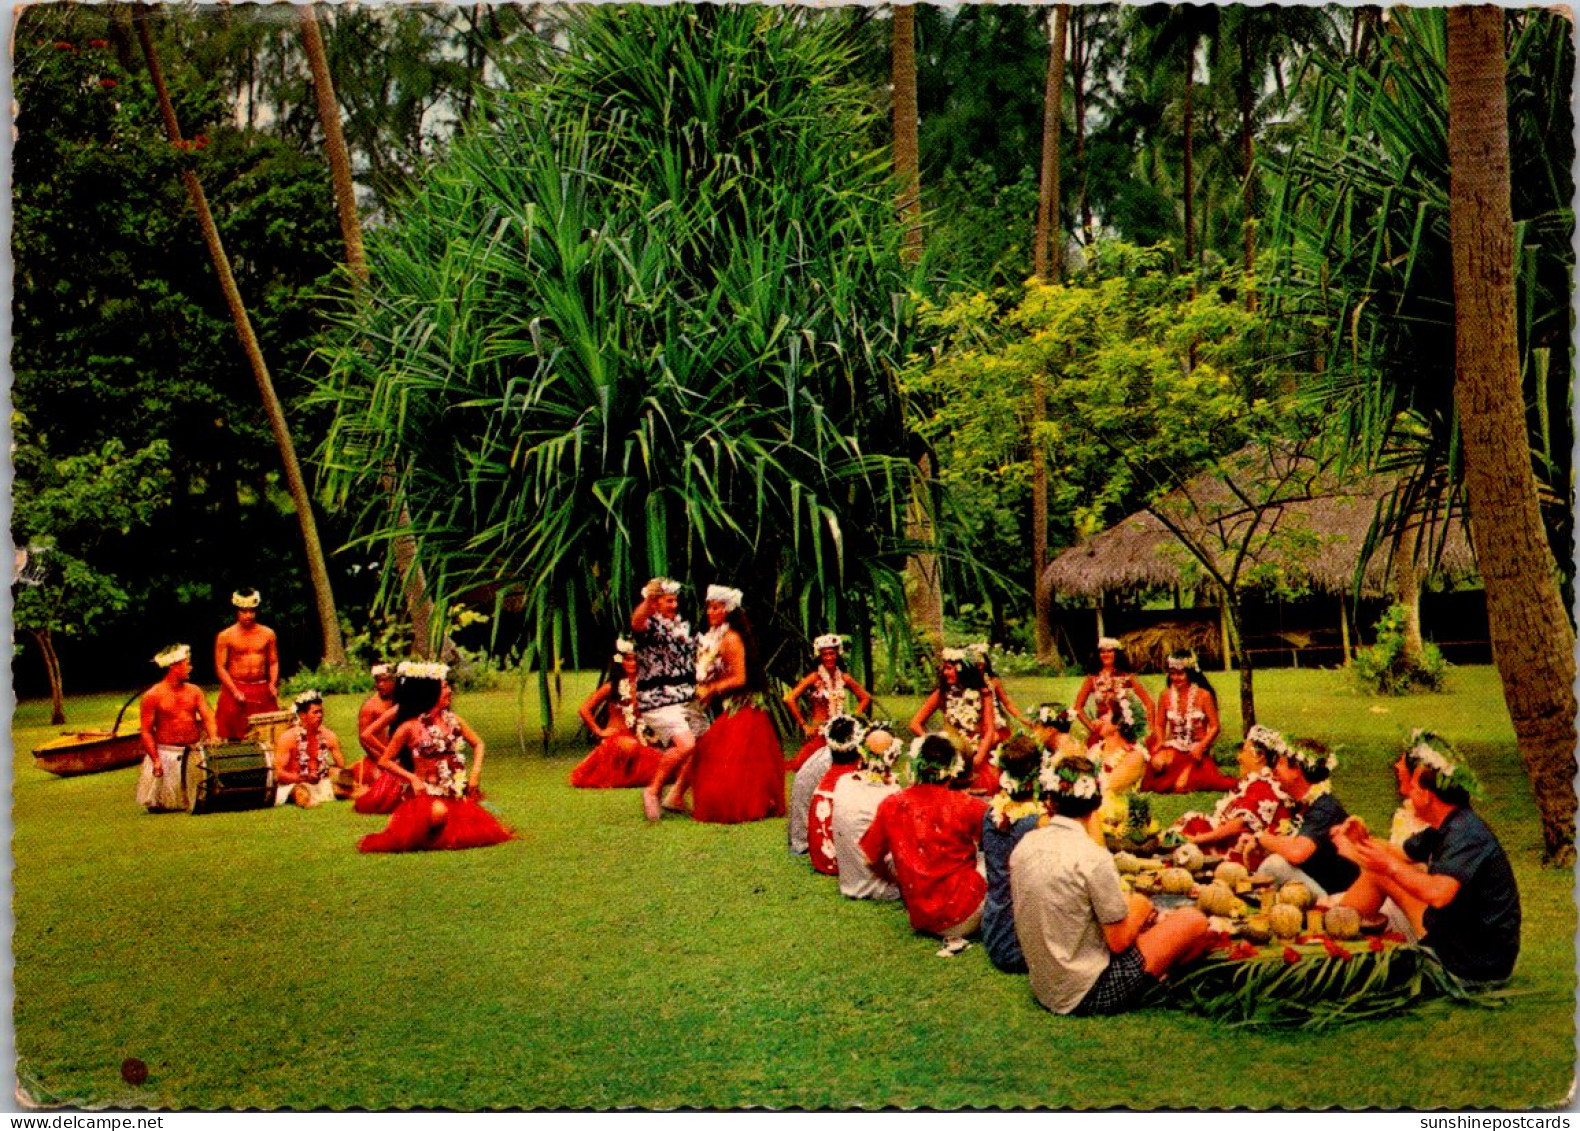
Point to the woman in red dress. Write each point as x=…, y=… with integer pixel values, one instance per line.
x=1181, y=758
x=1256, y=803
x=622, y=760
x=440, y=805
x=738, y=772
x=830, y=686
x=967, y=707
x=1106, y=686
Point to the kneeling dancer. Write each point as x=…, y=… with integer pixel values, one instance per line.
x=1089, y=947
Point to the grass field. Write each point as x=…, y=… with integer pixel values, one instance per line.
x=256, y=960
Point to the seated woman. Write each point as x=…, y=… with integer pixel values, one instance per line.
x=1121, y=755
x=439, y=808
x=1107, y=685
x=1181, y=759
x=303, y=754
x=738, y=772
x=1051, y=726
x=1256, y=803
x=968, y=715
x=830, y=686
x=1014, y=811
x=622, y=760
x=1003, y=709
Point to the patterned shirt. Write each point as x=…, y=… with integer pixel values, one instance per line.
x=666, y=663
x=932, y=832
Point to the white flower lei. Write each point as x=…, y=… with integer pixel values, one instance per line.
x=832, y=686
x=964, y=709
x=708, y=651
x=627, y=695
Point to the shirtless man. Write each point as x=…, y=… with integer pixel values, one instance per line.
x=248, y=665
x=302, y=756
x=372, y=732
x=175, y=715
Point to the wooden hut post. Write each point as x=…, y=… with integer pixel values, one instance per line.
x=1344, y=628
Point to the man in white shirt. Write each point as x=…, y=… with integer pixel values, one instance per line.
x=856, y=798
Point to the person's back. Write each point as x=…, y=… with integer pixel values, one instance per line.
x=998, y=911
x=932, y=833
x=801, y=790
x=1477, y=934
x=856, y=801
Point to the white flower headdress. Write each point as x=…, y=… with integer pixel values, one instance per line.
x=306, y=699
x=378, y=670
x=957, y=764
x=843, y=733
x=879, y=762
x=1309, y=759
x=829, y=640
x=729, y=598
x=246, y=598
x=1108, y=644
x=1008, y=782
x=1060, y=777
x=1433, y=750
x=418, y=669
x=1269, y=739
x=622, y=649
x=1185, y=663
x=954, y=655
x=173, y=655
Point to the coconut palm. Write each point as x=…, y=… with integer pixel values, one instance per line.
x=642, y=321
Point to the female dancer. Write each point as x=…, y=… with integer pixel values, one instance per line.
x=1256, y=803
x=1181, y=760
x=1003, y=709
x=1106, y=685
x=968, y=714
x=829, y=685
x=1121, y=755
x=439, y=808
x=738, y=772
x=622, y=759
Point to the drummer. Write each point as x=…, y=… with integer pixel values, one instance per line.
x=372, y=732
x=175, y=716
x=302, y=755
x=247, y=662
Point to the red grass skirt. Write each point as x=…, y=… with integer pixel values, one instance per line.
x=738, y=770
x=986, y=778
x=467, y=825
x=808, y=748
x=616, y=763
x=1204, y=775
x=382, y=796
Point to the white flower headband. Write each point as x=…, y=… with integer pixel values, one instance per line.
x=1183, y=663
x=1108, y=644
x=1007, y=781
x=955, y=768
x=954, y=655
x=414, y=669
x=1310, y=759
x=843, y=723
x=378, y=670
x=664, y=585
x=1058, y=777
x=622, y=649
x=879, y=761
x=173, y=655
x=829, y=640
x=979, y=650
x=729, y=598
x=306, y=699
x=1269, y=739
x=1451, y=769
x=245, y=598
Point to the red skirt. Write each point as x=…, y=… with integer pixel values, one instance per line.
x=1204, y=775
x=230, y=713
x=986, y=778
x=466, y=825
x=738, y=770
x=382, y=796
x=808, y=748
x=617, y=763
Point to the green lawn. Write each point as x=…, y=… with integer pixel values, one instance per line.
x=257, y=960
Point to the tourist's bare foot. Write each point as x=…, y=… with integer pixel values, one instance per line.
x=650, y=806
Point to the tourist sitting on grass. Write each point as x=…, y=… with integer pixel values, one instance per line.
x=1255, y=805
x=932, y=833
x=802, y=787
x=1051, y=726
x=856, y=800
x=830, y=686
x=1012, y=813
x=622, y=760
x=844, y=746
x=1450, y=887
x=1089, y=947
x=1306, y=851
x=303, y=754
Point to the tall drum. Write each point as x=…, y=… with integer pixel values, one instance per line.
x=267, y=726
x=229, y=777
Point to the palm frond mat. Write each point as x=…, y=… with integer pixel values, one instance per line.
x=1315, y=983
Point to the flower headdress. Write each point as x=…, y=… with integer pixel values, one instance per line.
x=729, y=598
x=415, y=669
x=665, y=585
x=843, y=733
x=173, y=655
x=1069, y=777
x=306, y=699
x=979, y=650
x=1008, y=782
x=1185, y=663
x=622, y=649
x=245, y=598
x=1269, y=739
x=829, y=640
x=938, y=773
x=1109, y=644
x=879, y=762
x=954, y=656
x=1308, y=759
x=378, y=670
x=1050, y=714
x=1433, y=750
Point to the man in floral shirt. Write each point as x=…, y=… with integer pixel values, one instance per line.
x=666, y=683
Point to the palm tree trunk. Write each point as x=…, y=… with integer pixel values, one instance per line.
x=1079, y=46
x=907, y=161
x=1532, y=640
x=57, y=690
x=419, y=607
x=333, y=649
x=1190, y=120
x=1247, y=162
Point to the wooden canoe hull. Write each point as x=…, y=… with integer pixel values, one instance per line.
x=88, y=752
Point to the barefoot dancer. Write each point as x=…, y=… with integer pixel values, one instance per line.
x=175, y=715
x=247, y=662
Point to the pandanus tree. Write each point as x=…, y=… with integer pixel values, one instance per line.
x=642, y=320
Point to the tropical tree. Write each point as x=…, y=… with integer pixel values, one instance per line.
x=642, y=320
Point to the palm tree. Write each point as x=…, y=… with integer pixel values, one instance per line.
x=1532, y=640
x=333, y=651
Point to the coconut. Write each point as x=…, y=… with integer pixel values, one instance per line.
x=1296, y=894
x=1230, y=873
x=1285, y=920
x=1342, y=922
x=1177, y=881
x=1216, y=899
x=1189, y=857
x=1126, y=862
x=1257, y=929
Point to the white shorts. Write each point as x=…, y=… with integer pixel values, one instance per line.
x=667, y=723
x=321, y=791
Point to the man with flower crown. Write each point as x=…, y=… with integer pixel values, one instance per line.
x=844, y=734
x=247, y=663
x=303, y=754
x=175, y=716
x=1089, y=948
x=666, y=685
x=1450, y=887
x=856, y=800
x=1305, y=851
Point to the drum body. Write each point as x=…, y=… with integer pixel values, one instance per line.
x=228, y=777
x=345, y=779
x=267, y=726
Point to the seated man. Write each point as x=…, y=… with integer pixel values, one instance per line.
x=1450, y=887
x=303, y=754
x=1306, y=852
x=1012, y=813
x=1089, y=947
x=842, y=736
x=932, y=833
x=856, y=800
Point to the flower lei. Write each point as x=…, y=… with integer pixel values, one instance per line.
x=1181, y=716
x=1452, y=770
x=1127, y=715
x=1062, y=778
x=449, y=755
x=708, y=651
x=831, y=689
x=963, y=709
x=626, y=690
x=309, y=766
x=1050, y=713
x=1007, y=811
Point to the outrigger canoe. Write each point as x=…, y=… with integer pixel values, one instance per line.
x=91, y=751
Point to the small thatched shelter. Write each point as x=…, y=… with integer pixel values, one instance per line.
x=1298, y=525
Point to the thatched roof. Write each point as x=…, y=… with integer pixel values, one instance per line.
x=1316, y=539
